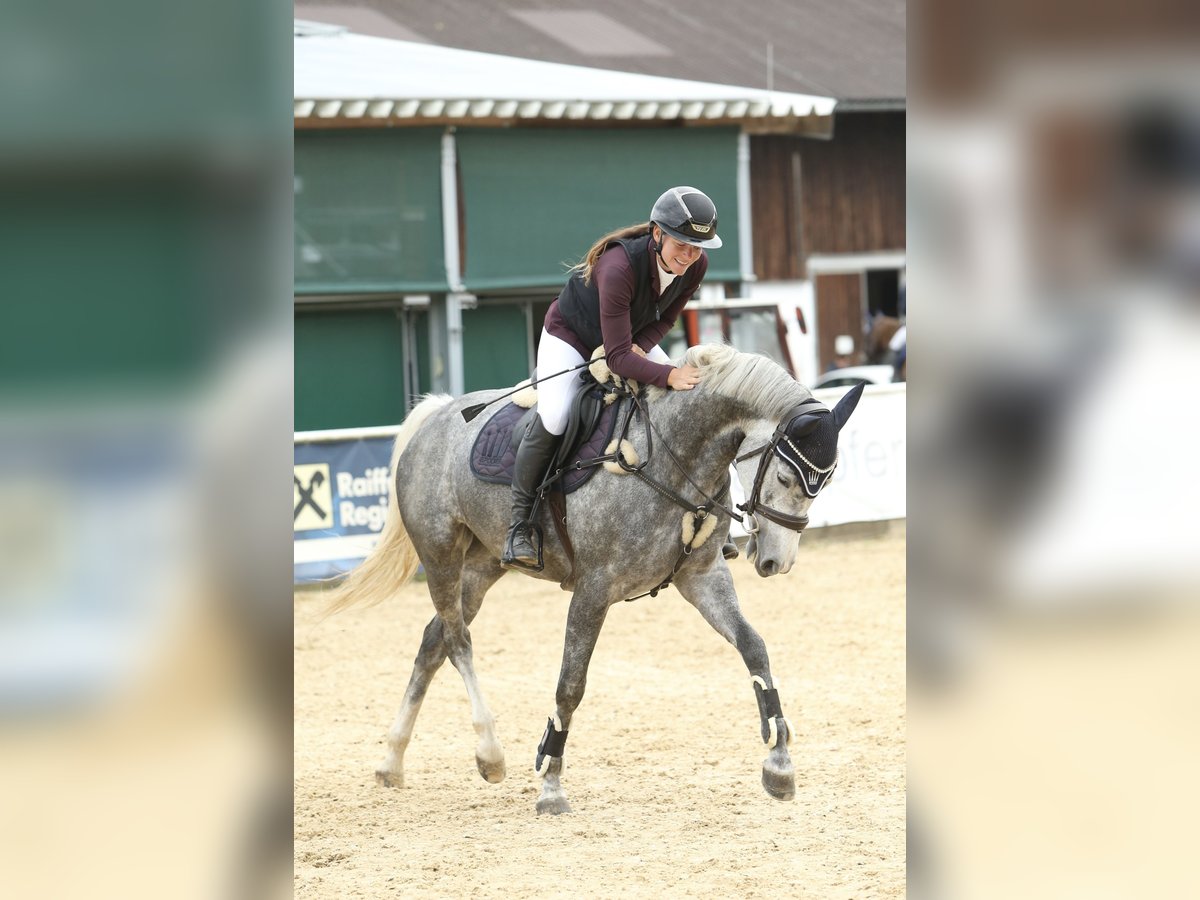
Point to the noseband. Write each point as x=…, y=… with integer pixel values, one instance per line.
x=812, y=481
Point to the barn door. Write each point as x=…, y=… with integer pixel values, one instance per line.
x=839, y=311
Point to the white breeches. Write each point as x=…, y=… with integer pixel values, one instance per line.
x=555, y=394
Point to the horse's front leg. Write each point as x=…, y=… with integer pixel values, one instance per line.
x=585, y=618
x=711, y=592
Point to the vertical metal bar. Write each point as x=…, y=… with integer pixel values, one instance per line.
x=454, y=339
x=800, y=259
x=530, y=337
x=438, y=381
x=405, y=356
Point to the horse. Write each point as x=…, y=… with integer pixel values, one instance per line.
x=746, y=410
x=877, y=345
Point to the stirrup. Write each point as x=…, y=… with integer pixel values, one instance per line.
x=509, y=561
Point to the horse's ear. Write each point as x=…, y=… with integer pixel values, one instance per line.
x=845, y=406
x=804, y=425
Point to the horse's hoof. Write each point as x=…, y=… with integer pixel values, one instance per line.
x=492, y=772
x=389, y=779
x=780, y=783
x=554, y=806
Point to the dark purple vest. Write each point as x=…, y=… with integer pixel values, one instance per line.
x=579, y=303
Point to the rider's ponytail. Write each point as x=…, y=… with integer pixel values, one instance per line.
x=584, y=267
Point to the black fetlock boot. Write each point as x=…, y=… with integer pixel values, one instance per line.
x=522, y=548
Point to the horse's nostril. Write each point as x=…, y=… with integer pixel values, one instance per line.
x=770, y=567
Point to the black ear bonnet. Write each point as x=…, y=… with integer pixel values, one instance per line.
x=808, y=438
x=808, y=444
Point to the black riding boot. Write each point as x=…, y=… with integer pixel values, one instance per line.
x=730, y=550
x=521, y=549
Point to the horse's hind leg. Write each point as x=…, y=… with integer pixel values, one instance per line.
x=479, y=574
x=429, y=659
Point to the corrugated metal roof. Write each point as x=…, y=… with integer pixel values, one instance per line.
x=846, y=49
x=341, y=75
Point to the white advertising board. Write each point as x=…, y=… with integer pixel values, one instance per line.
x=869, y=484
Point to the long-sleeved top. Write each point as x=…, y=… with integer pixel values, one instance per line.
x=620, y=302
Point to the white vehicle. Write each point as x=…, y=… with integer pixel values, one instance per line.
x=780, y=321
x=852, y=375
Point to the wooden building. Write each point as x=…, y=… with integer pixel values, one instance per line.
x=436, y=210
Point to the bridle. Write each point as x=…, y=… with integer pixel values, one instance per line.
x=701, y=511
x=812, y=481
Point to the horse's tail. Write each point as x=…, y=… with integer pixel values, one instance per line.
x=394, y=559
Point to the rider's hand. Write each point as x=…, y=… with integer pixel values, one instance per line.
x=638, y=350
x=683, y=378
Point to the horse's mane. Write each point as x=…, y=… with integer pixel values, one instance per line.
x=750, y=378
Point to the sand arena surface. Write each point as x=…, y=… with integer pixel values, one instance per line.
x=664, y=756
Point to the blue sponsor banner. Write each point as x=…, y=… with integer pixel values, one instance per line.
x=340, y=494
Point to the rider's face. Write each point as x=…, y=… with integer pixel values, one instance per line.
x=677, y=255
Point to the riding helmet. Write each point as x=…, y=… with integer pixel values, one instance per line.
x=687, y=215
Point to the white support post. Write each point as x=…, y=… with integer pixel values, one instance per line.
x=454, y=328
x=450, y=210
x=745, y=220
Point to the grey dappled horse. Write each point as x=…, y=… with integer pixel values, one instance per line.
x=746, y=408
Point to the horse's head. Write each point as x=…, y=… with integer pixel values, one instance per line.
x=791, y=467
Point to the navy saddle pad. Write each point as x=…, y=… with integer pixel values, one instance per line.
x=494, y=453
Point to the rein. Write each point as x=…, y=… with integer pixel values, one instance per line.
x=700, y=511
x=752, y=507
x=713, y=502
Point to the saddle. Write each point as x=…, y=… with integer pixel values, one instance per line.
x=590, y=428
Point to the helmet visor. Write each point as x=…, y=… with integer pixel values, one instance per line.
x=691, y=233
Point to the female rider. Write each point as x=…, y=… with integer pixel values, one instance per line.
x=625, y=296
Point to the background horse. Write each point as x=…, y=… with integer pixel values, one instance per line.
x=628, y=537
x=875, y=347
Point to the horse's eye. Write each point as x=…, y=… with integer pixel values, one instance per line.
x=784, y=478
